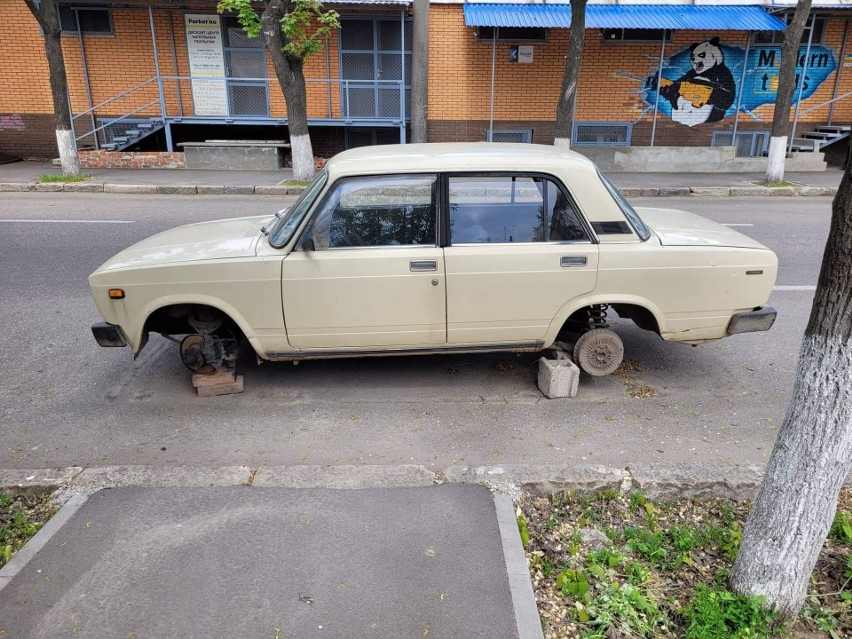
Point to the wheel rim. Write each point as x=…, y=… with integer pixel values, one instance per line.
x=599, y=352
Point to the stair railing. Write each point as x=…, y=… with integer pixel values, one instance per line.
x=120, y=96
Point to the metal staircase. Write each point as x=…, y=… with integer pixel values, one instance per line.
x=120, y=135
x=825, y=135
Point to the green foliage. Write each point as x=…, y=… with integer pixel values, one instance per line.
x=17, y=530
x=637, y=574
x=523, y=529
x=626, y=609
x=841, y=527
x=647, y=544
x=573, y=583
x=717, y=613
x=605, y=557
x=637, y=501
x=303, y=28
x=76, y=177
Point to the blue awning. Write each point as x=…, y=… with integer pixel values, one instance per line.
x=697, y=17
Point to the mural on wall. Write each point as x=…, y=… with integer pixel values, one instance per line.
x=701, y=83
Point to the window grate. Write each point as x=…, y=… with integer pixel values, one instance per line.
x=748, y=143
x=602, y=133
x=522, y=136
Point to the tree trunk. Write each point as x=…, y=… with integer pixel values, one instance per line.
x=47, y=16
x=786, y=87
x=290, y=75
x=420, y=71
x=813, y=453
x=568, y=96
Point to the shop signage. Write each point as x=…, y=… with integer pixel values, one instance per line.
x=206, y=64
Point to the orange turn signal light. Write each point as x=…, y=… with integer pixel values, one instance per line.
x=116, y=294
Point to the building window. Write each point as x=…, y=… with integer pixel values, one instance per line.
x=777, y=37
x=636, y=35
x=512, y=34
x=602, y=133
x=92, y=21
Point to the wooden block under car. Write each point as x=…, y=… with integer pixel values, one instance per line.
x=224, y=375
x=229, y=388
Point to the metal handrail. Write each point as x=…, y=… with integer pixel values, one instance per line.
x=823, y=104
x=115, y=97
x=119, y=119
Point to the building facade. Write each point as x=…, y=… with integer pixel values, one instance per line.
x=149, y=76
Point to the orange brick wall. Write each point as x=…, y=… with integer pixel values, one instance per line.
x=459, y=86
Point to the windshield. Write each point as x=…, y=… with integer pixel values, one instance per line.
x=629, y=212
x=284, y=228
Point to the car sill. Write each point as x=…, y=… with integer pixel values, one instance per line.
x=387, y=352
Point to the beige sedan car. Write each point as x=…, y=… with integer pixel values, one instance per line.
x=438, y=248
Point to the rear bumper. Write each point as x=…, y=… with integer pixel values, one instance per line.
x=108, y=335
x=760, y=319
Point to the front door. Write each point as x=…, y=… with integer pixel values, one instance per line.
x=245, y=68
x=370, y=272
x=519, y=250
x=375, y=65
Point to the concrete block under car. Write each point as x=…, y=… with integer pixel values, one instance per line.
x=558, y=377
x=225, y=381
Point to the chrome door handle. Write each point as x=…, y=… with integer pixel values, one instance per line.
x=423, y=265
x=572, y=260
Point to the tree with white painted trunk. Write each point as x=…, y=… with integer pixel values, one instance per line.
x=47, y=15
x=812, y=456
x=292, y=30
x=420, y=71
x=568, y=95
x=786, y=87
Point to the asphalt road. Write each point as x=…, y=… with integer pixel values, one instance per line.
x=65, y=401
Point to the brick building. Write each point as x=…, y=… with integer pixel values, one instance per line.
x=150, y=75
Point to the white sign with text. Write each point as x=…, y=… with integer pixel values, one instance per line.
x=206, y=64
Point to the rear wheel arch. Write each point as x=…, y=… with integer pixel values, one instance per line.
x=574, y=314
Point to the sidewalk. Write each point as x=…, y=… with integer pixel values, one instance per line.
x=23, y=176
x=244, y=561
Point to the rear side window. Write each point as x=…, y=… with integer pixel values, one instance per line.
x=509, y=209
x=377, y=211
x=629, y=212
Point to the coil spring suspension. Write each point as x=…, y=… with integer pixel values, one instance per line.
x=597, y=316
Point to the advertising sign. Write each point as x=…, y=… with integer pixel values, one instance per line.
x=206, y=64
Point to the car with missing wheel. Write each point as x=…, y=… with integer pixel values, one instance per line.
x=438, y=248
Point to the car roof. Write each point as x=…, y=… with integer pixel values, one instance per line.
x=456, y=156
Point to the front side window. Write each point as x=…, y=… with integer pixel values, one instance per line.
x=280, y=235
x=508, y=209
x=377, y=211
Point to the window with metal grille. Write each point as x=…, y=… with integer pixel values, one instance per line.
x=602, y=134
x=92, y=21
x=512, y=34
x=777, y=37
x=521, y=136
x=748, y=143
x=635, y=35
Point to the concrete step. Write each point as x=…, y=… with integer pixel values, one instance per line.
x=120, y=138
x=821, y=135
x=132, y=133
x=145, y=126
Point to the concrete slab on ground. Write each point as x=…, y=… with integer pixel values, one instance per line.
x=269, y=562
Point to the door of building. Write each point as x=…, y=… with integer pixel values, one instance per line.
x=375, y=61
x=245, y=68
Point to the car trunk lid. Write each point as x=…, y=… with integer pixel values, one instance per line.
x=681, y=228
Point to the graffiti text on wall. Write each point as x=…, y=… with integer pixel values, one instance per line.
x=700, y=83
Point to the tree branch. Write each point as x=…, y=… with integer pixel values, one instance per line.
x=37, y=13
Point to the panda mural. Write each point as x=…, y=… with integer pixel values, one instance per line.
x=706, y=91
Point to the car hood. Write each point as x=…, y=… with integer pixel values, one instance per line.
x=217, y=240
x=681, y=228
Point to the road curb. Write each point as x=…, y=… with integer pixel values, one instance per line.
x=29, y=550
x=658, y=481
x=278, y=190
x=520, y=583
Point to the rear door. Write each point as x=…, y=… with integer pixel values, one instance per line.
x=518, y=250
x=375, y=274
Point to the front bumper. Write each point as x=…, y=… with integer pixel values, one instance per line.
x=760, y=319
x=108, y=335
